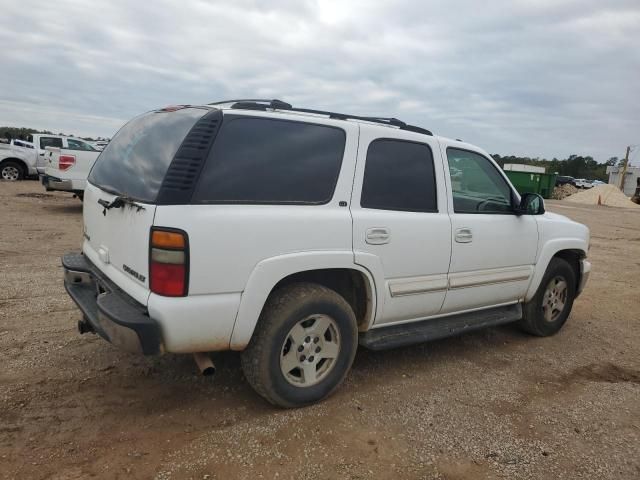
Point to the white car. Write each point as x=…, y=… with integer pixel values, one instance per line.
x=100, y=144
x=67, y=168
x=17, y=160
x=293, y=235
x=583, y=183
x=43, y=140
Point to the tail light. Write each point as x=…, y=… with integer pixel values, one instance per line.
x=169, y=262
x=65, y=162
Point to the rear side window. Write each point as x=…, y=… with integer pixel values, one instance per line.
x=399, y=175
x=136, y=160
x=269, y=161
x=50, y=142
x=73, y=144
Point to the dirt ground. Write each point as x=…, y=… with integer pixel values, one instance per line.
x=493, y=404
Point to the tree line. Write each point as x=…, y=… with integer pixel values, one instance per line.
x=21, y=133
x=575, y=166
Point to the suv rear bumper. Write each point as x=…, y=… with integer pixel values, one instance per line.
x=109, y=311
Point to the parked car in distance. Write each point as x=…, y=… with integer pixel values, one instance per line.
x=595, y=183
x=43, y=140
x=293, y=235
x=67, y=168
x=100, y=144
x=564, y=179
x=17, y=160
x=583, y=183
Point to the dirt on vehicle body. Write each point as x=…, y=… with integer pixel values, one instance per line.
x=492, y=404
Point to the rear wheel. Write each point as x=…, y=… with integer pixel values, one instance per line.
x=11, y=171
x=303, y=346
x=549, y=309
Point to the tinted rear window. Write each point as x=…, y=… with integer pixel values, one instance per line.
x=399, y=175
x=50, y=142
x=136, y=160
x=262, y=160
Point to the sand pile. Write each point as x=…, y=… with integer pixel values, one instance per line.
x=609, y=195
x=563, y=191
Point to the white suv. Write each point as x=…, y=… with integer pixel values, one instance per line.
x=293, y=235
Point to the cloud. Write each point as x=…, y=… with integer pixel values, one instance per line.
x=537, y=78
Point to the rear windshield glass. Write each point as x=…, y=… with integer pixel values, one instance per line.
x=136, y=160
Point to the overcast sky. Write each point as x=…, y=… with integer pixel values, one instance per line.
x=537, y=78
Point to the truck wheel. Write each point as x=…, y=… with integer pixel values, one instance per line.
x=11, y=171
x=303, y=346
x=549, y=309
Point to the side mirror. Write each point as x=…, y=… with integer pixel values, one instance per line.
x=530, y=204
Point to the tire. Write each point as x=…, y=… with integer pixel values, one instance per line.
x=11, y=171
x=300, y=323
x=547, y=312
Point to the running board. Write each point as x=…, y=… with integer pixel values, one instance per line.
x=394, y=336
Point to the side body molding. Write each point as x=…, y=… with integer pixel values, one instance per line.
x=269, y=272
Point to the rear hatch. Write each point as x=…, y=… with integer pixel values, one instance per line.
x=120, y=198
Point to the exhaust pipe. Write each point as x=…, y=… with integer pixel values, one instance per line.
x=205, y=365
x=85, y=327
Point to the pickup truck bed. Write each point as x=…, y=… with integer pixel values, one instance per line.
x=67, y=170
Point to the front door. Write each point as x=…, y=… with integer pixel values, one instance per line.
x=401, y=226
x=493, y=249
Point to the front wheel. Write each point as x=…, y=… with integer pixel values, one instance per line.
x=548, y=310
x=303, y=346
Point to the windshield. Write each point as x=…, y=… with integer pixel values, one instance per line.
x=136, y=160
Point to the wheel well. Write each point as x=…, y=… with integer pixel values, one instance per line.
x=351, y=284
x=572, y=257
x=20, y=162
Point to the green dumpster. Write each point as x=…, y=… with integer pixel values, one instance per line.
x=527, y=182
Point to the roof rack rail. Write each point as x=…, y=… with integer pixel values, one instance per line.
x=264, y=104
x=279, y=104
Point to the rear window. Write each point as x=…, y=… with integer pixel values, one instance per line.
x=269, y=161
x=399, y=175
x=73, y=144
x=136, y=160
x=50, y=142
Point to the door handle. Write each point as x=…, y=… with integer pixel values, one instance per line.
x=378, y=236
x=464, y=235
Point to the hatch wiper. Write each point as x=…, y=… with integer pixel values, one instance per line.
x=119, y=202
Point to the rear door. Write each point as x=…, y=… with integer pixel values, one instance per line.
x=401, y=227
x=132, y=167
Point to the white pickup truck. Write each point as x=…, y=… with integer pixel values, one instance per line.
x=66, y=169
x=21, y=159
x=293, y=235
x=44, y=140
x=17, y=160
